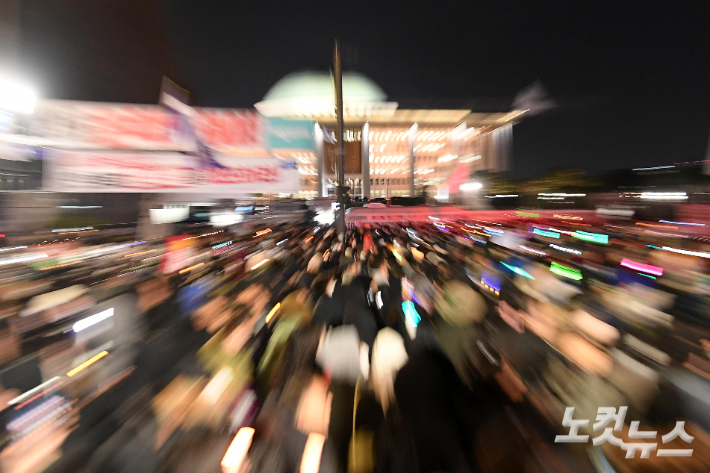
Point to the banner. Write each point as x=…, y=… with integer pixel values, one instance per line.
x=90, y=125
x=105, y=171
x=289, y=134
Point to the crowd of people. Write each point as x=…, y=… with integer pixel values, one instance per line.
x=439, y=346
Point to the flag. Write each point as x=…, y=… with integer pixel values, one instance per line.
x=174, y=100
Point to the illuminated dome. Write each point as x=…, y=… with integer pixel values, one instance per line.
x=311, y=94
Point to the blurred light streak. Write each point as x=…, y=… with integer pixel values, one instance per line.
x=190, y=268
x=411, y=313
x=71, y=230
x=646, y=268
x=527, y=214
x=271, y=313
x=565, y=271
x=653, y=225
x=62, y=265
x=652, y=168
x=566, y=250
x=87, y=363
x=560, y=194
x=593, y=237
x=397, y=256
x=683, y=223
x=92, y=320
x=310, y=462
x=260, y=263
x=664, y=195
x=13, y=248
x=700, y=254
x=80, y=207
x=22, y=259
x=545, y=233
x=517, y=270
x=44, y=387
x=262, y=232
x=533, y=250
x=237, y=451
x=282, y=241
x=647, y=275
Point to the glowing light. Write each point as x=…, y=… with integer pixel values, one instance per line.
x=493, y=232
x=664, y=195
x=310, y=461
x=653, y=225
x=22, y=259
x=411, y=313
x=16, y=97
x=490, y=285
x=565, y=271
x=593, y=237
x=237, y=451
x=500, y=196
x=533, y=250
x=190, y=268
x=262, y=232
x=683, y=223
x=653, y=168
x=87, y=363
x=72, y=230
x=260, y=263
x=567, y=217
x=647, y=275
x=545, y=233
x=32, y=392
x=433, y=218
x=92, y=320
x=282, y=241
x=527, y=214
x=79, y=207
x=13, y=248
x=470, y=186
x=560, y=194
x=271, y=313
x=397, y=256
x=566, y=250
x=517, y=270
x=646, y=268
x=222, y=245
x=700, y=254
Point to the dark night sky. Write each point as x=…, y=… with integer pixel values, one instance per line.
x=633, y=78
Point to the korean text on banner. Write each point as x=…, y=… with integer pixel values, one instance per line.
x=86, y=171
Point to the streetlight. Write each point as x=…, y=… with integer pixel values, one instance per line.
x=16, y=97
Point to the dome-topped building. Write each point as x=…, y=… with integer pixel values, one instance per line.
x=389, y=151
x=310, y=95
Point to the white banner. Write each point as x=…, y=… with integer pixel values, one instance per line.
x=86, y=171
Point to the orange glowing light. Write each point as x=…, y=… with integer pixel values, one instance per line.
x=271, y=313
x=656, y=226
x=310, y=461
x=190, y=268
x=237, y=451
x=87, y=363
